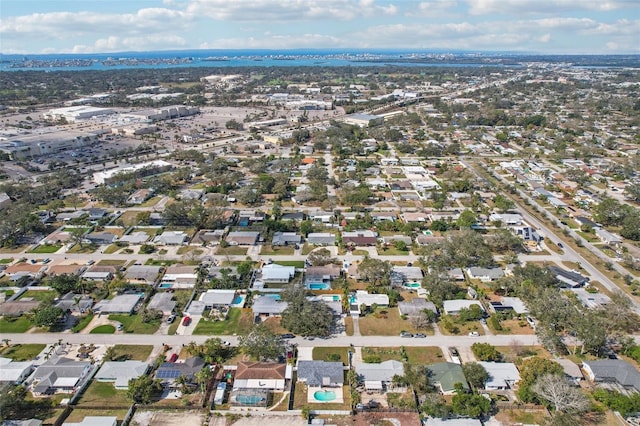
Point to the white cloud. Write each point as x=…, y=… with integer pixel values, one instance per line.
x=543, y=7
x=434, y=8
x=120, y=44
x=274, y=41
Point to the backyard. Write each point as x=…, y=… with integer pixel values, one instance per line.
x=104, y=394
x=23, y=352
x=15, y=325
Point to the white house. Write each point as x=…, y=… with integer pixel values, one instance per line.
x=120, y=372
x=452, y=307
x=275, y=273
x=502, y=375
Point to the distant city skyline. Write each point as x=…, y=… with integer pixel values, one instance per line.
x=530, y=26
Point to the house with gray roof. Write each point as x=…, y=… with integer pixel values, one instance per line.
x=268, y=306
x=14, y=372
x=208, y=237
x=321, y=373
x=242, y=238
x=321, y=239
x=122, y=304
x=217, y=298
x=138, y=237
x=378, y=376
x=59, y=375
x=162, y=302
x=568, y=278
x=74, y=302
x=168, y=372
x=452, y=307
x=30, y=422
x=502, y=375
x=484, y=274
x=95, y=421
x=275, y=273
x=100, y=238
x=416, y=306
x=172, y=238
x=613, y=371
x=120, y=372
x=142, y=274
x=445, y=375
x=285, y=238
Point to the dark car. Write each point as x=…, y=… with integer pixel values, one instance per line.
x=287, y=336
x=560, y=245
x=420, y=335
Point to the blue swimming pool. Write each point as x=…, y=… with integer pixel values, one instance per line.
x=273, y=296
x=237, y=300
x=319, y=286
x=249, y=399
x=412, y=285
x=165, y=285
x=324, y=395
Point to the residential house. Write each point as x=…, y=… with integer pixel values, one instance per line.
x=591, y=300
x=258, y=379
x=72, y=269
x=120, y=372
x=14, y=372
x=484, y=274
x=168, y=372
x=586, y=222
x=30, y=422
x=217, y=271
x=419, y=217
x=162, y=302
x=96, y=213
x=138, y=237
x=285, y=238
x=59, y=375
x=190, y=194
x=607, y=237
x=242, y=238
x=320, y=277
x=321, y=239
x=321, y=374
x=249, y=217
x=362, y=297
x=613, y=371
x=455, y=274
x=18, y=270
x=16, y=308
x=509, y=303
x=502, y=375
x=172, y=238
x=99, y=273
x=157, y=219
x=274, y=273
x=383, y=216
x=452, y=307
x=445, y=375
x=143, y=274
x=95, y=421
x=508, y=219
x=268, y=306
x=416, y=306
x=392, y=239
x=568, y=278
x=299, y=216
x=140, y=196
x=320, y=216
x=571, y=370
x=214, y=298
x=121, y=304
x=68, y=216
x=206, y=237
x=378, y=376
x=100, y=238
x=180, y=276
x=408, y=274
x=72, y=302
x=360, y=238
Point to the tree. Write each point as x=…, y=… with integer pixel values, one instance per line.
x=142, y=389
x=466, y=219
x=440, y=288
x=305, y=317
x=110, y=353
x=632, y=191
x=401, y=245
x=203, y=377
x=473, y=313
x=610, y=212
x=631, y=226
x=502, y=203
x=560, y=394
x=320, y=257
x=422, y=319
x=306, y=227
x=375, y=272
x=64, y=283
x=532, y=369
x=469, y=404
x=475, y=374
x=486, y=352
x=47, y=316
x=261, y=343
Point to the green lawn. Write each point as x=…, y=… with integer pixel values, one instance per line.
x=157, y=262
x=134, y=324
x=415, y=355
x=39, y=295
x=268, y=249
x=112, y=249
x=186, y=249
x=6, y=261
x=86, y=248
x=15, y=325
x=82, y=323
x=78, y=414
x=386, y=322
x=104, y=395
x=26, y=352
x=239, y=321
x=111, y=262
x=133, y=352
x=294, y=263
x=103, y=329
x=321, y=353
x=45, y=248
x=232, y=250
x=392, y=251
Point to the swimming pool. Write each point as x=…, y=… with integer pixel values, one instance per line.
x=165, y=285
x=249, y=399
x=238, y=300
x=412, y=285
x=324, y=395
x=273, y=296
x=319, y=286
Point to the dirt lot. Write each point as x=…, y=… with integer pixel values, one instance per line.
x=167, y=418
x=396, y=419
x=266, y=420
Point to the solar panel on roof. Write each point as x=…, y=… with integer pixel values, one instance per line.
x=168, y=374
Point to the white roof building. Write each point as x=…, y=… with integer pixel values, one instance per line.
x=275, y=273
x=452, y=307
x=120, y=372
x=502, y=375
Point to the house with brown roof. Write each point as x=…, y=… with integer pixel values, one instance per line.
x=254, y=380
x=73, y=269
x=25, y=269
x=360, y=238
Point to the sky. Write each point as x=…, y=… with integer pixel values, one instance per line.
x=531, y=26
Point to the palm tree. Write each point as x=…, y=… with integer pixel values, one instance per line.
x=202, y=378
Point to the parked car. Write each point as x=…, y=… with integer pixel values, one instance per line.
x=186, y=321
x=474, y=334
x=171, y=319
x=406, y=334
x=173, y=358
x=560, y=245
x=226, y=343
x=420, y=335
x=287, y=336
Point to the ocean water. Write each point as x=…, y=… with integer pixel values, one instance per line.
x=237, y=58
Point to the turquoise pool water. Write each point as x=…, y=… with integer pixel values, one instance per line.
x=412, y=285
x=274, y=296
x=237, y=300
x=249, y=399
x=164, y=285
x=353, y=300
x=319, y=286
x=324, y=396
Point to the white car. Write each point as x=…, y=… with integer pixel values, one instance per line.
x=474, y=334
